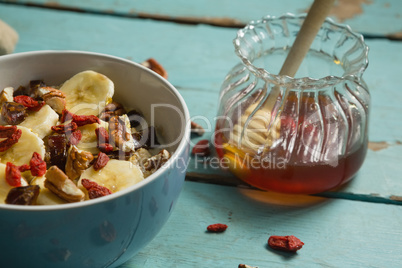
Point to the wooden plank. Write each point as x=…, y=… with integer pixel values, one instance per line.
x=336, y=233
x=371, y=17
x=197, y=58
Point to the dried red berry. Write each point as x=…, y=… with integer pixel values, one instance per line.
x=67, y=128
x=24, y=168
x=201, y=148
x=102, y=135
x=29, y=102
x=75, y=137
x=38, y=166
x=13, y=175
x=101, y=161
x=11, y=140
x=66, y=116
x=80, y=120
x=105, y=147
x=285, y=243
x=95, y=190
x=217, y=228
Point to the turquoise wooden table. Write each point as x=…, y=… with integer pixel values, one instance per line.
x=358, y=225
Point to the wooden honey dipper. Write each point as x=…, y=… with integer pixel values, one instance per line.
x=251, y=137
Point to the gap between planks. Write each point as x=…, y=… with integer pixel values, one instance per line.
x=213, y=21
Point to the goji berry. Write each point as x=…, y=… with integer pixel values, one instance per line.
x=10, y=141
x=38, y=166
x=30, y=103
x=217, y=227
x=95, y=190
x=66, y=115
x=285, y=243
x=201, y=148
x=13, y=175
x=24, y=168
x=105, y=147
x=75, y=137
x=67, y=128
x=80, y=120
x=102, y=135
x=101, y=161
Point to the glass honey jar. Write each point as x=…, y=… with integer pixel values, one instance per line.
x=304, y=134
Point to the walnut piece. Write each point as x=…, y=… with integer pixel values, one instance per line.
x=54, y=98
x=77, y=162
x=156, y=162
x=6, y=95
x=58, y=183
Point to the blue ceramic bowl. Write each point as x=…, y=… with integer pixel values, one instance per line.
x=108, y=231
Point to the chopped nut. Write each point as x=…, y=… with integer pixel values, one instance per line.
x=120, y=134
x=197, y=129
x=155, y=66
x=58, y=183
x=6, y=95
x=112, y=109
x=77, y=162
x=155, y=162
x=54, y=98
x=140, y=157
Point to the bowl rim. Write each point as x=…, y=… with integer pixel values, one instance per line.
x=173, y=159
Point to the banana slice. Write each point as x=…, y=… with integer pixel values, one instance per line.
x=87, y=93
x=4, y=186
x=40, y=122
x=21, y=152
x=89, y=139
x=46, y=197
x=116, y=175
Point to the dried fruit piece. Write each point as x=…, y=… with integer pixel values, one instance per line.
x=285, y=243
x=24, y=195
x=101, y=161
x=105, y=147
x=67, y=128
x=80, y=120
x=156, y=67
x=95, y=190
x=75, y=137
x=11, y=140
x=197, y=129
x=136, y=118
x=202, y=148
x=102, y=135
x=30, y=103
x=58, y=182
x=13, y=175
x=38, y=166
x=56, y=150
x=148, y=138
x=77, y=162
x=217, y=228
x=13, y=113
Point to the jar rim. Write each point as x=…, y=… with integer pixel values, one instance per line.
x=284, y=79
